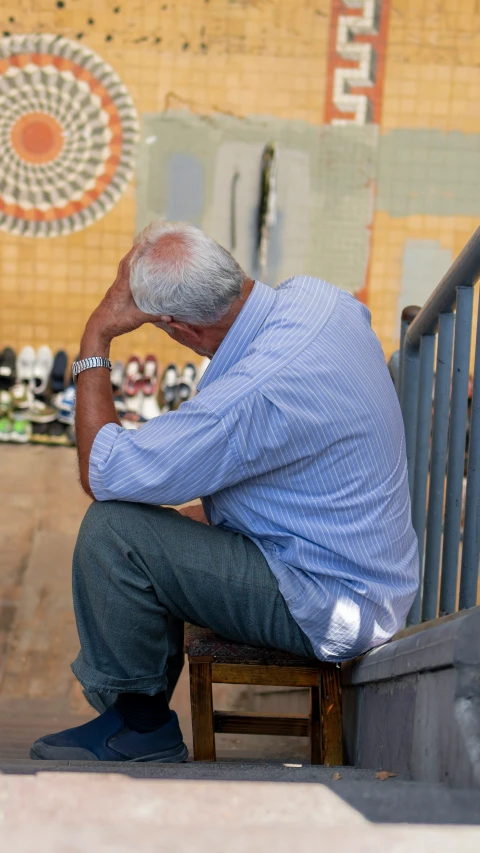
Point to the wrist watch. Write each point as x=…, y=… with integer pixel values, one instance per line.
x=86, y=363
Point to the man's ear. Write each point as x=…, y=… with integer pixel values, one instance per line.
x=189, y=332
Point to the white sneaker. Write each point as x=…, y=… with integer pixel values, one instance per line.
x=64, y=402
x=168, y=388
x=42, y=369
x=186, y=383
x=149, y=408
x=25, y=362
x=134, y=403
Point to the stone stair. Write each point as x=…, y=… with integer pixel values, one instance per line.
x=226, y=807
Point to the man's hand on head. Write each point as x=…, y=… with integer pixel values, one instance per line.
x=116, y=314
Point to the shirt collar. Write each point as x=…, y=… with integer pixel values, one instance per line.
x=241, y=334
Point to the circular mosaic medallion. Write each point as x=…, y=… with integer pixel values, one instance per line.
x=68, y=129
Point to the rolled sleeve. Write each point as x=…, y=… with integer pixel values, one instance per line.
x=172, y=459
x=99, y=454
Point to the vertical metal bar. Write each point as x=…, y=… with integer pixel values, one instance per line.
x=438, y=466
x=403, y=331
x=408, y=316
x=409, y=391
x=456, y=448
x=411, y=363
x=422, y=458
x=471, y=532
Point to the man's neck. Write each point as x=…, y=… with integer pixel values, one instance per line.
x=237, y=306
x=218, y=331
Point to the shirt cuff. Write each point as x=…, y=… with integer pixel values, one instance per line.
x=99, y=454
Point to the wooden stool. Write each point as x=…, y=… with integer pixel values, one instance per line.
x=212, y=659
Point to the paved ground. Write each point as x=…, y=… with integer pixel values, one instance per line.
x=394, y=800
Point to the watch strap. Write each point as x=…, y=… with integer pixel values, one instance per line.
x=87, y=363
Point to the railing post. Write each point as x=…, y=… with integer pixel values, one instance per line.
x=403, y=331
x=471, y=531
x=409, y=399
x=422, y=457
x=456, y=448
x=438, y=466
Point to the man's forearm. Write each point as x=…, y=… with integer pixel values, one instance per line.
x=116, y=315
x=94, y=403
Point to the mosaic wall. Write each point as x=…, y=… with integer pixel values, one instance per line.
x=68, y=129
x=372, y=104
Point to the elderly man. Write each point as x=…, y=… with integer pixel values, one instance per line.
x=295, y=445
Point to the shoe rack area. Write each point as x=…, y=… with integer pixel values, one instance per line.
x=37, y=393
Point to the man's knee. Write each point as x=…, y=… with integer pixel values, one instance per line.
x=96, y=529
x=98, y=544
x=106, y=523
x=96, y=519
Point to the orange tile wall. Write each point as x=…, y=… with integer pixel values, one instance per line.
x=264, y=57
x=218, y=56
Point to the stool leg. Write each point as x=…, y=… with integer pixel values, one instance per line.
x=202, y=711
x=316, y=733
x=331, y=702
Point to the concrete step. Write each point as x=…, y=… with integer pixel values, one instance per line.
x=394, y=800
x=83, y=811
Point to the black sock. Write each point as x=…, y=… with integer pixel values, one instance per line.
x=143, y=713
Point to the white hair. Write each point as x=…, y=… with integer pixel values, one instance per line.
x=178, y=271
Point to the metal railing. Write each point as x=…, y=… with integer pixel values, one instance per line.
x=433, y=388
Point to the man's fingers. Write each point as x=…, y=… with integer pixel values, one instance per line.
x=124, y=264
x=161, y=319
x=128, y=257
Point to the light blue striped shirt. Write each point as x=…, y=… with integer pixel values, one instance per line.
x=296, y=440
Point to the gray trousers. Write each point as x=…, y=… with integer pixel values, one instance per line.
x=140, y=572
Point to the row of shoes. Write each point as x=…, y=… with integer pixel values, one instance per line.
x=37, y=395
x=35, y=402
x=33, y=420
x=141, y=393
x=38, y=371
